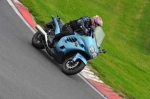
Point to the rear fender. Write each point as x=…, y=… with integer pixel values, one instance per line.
x=81, y=57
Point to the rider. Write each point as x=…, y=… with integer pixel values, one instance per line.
x=84, y=23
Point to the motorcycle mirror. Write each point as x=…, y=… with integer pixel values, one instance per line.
x=103, y=51
x=58, y=16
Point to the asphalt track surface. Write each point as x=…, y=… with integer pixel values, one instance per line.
x=28, y=73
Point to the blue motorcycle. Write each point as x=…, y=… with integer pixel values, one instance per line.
x=72, y=51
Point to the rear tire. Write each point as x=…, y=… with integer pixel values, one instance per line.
x=37, y=41
x=71, y=68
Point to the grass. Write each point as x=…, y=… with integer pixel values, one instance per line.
x=126, y=65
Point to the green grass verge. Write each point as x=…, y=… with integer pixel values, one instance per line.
x=126, y=65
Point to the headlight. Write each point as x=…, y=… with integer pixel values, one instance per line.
x=92, y=51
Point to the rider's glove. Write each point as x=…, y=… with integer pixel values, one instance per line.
x=87, y=30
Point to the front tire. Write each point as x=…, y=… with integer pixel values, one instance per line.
x=69, y=67
x=37, y=41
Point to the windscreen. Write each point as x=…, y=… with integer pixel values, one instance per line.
x=99, y=34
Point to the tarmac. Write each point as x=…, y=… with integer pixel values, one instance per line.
x=95, y=81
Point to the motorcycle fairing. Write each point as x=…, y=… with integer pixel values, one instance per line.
x=77, y=42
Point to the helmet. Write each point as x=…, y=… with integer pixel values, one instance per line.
x=96, y=21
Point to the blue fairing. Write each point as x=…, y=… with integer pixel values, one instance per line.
x=76, y=42
x=89, y=41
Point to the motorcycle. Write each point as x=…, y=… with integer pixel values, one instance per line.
x=72, y=51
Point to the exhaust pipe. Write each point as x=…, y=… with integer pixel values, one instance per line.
x=38, y=27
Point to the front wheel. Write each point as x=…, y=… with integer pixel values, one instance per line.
x=70, y=67
x=37, y=41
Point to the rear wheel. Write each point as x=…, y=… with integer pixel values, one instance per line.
x=37, y=41
x=70, y=67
